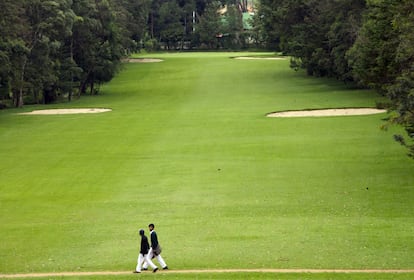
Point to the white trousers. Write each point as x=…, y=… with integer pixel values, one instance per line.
x=150, y=256
x=141, y=259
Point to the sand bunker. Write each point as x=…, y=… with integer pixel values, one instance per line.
x=67, y=111
x=326, y=113
x=143, y=60
x=259, y=58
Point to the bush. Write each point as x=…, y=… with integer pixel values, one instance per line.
x=151, y=45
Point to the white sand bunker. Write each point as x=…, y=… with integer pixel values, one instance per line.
x=143, y=60
x=259, y=58
x=327, y=113
x=67, y=111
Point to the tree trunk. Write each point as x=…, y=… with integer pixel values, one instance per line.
x=152, y=25
x=19, y=98
x=82, y=88
x=84, y=83
x=71, y=73
x=92, y=87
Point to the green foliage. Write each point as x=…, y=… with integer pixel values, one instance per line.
x=232, y=26
x=373, y=55
x=383, y=58
x=402, y=91
x=209, y=25
x=171, y=29
x=96, y=43
x=316, y=33
x=131, y=19
x=49, y=48
x=151, y=45
x=184, y=24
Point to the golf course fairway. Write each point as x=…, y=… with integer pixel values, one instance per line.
x=185, y=144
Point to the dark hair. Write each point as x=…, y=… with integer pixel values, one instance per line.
x=151, y=225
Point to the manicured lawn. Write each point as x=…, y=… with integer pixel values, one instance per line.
x=188, y=147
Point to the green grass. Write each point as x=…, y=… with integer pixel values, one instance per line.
x=188, y=147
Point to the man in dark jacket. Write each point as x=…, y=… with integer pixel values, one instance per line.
x=155, y=250
x=143, y=254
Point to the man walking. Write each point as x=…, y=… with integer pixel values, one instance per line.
x=143, y=254
x=155, y=250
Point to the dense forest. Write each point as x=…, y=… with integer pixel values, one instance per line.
x=55, y=49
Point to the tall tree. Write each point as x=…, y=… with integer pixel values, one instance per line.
x=171, y=27
x=401, y=92
x=40, y=39
x=373, y=54
x=96, y=43
x=12, y=26
x=347, y=20
x=383, y=58
x=209, y=25
x=45, y=61
x=234, y=26
x=131, y=18
x=188, y=19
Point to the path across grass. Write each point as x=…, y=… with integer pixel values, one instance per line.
x=199, y=271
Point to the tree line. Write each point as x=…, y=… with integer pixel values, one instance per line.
x=366, y=42
x=196, y=24
x=51, y=49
